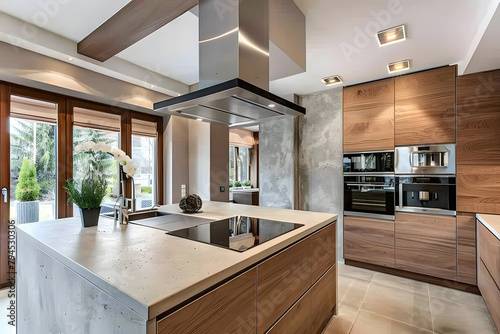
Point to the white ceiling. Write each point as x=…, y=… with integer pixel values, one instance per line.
x=440, y=32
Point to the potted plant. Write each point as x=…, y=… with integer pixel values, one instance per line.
x=247, y=184
x=237, y=185
x=88, y=195
x=27, y=192
x=230, y=184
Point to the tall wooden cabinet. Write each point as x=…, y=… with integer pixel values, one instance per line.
x=425, y=107
x=369, y=116
x=466, y=248
x=478, y=142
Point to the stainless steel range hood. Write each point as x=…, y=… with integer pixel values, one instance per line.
x=234, y=62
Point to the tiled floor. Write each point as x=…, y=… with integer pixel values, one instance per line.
x=376, y=303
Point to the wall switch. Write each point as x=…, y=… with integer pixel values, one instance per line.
x=222, y=189
x=183, y=190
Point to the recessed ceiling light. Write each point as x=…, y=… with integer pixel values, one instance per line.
x=199, y=119
x=70, y=58
x=391, y=35
x=332, y=80
x=397, y=66
x=271, y=105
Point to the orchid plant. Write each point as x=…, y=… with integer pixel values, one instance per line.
x=119, y=155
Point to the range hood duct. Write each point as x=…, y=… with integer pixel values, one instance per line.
x=234, y=54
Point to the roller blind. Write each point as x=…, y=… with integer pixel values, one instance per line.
x=143, y=128
x=241, y=138
x=87, y=118
x=33, y=110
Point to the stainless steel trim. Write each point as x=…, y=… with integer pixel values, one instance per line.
x=369, y=215
x=403, y=159
x=426, y=211
x=400, y=194
x=368, y=152
x=425, y=175
x=368, y=174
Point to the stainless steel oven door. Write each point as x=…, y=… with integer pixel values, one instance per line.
x=370, y=196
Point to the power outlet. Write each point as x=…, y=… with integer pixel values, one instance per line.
x=183, y=190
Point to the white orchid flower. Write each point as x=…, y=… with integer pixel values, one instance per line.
x=119, y=155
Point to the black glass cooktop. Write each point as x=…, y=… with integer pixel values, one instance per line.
x=237, y=233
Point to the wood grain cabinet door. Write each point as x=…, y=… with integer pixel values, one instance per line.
x=425, y=107
x=322, y=251
x=369, y=240
x=427, y=244
x=369, y=116
x=230, y=308
x=281, y=281
x=466, y=248
x=478, y=142
x=489, y=252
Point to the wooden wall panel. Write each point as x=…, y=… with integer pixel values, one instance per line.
x=369, y=240
x=466, y=248
x=427, y=244
x=369, y=116
x=478, y=142
x=425, y=107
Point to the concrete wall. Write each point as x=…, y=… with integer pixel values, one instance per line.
x=320, y=157
x=277, y=163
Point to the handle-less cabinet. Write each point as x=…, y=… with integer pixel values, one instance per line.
x=427, y=244
x=369, y=116
x=425, y=107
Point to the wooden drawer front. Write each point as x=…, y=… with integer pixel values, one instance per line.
x=322, y=252
x=369, y=116
x=281, y=281
x=297, y=319
x=425, y=107
x=489, y=251
x=230, y=308
x=427, y=244
x=466, y=248
x=324, y=299
x=369, y=240
x=490, y=292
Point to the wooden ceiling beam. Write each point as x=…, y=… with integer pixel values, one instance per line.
x=136, y=20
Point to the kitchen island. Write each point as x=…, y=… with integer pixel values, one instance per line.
x=136, y=279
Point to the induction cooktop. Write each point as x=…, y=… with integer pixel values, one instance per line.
x=238, y=233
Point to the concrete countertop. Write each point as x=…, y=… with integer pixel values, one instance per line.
x=150, y=271
x=491, y=222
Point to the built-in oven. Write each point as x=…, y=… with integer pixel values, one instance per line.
x=432, y=194
x=370, y=196
x=369, y=162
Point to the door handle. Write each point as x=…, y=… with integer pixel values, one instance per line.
x=5, y=194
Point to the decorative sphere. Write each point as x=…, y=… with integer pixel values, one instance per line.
x=191, y=203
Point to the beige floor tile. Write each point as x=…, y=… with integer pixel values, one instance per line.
x=355, y=272
x=343, y=321
x=401, y=305
x=372, y=323
x=450, y=317
x=456, y=296
x=353, y=291
x=5, y=328
x=401, y=283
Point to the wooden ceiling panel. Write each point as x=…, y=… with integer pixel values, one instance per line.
x=136, y=20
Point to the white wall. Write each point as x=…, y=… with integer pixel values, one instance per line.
x=199, y=159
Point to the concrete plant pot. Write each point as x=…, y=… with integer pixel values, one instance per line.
x=28, y=212
x=89, y=217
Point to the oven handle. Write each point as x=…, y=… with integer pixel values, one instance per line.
x=368, y=185
x=400, y=203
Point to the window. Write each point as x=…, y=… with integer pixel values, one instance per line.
x=91, y=125
x=239, y=164
x=33, y=160
x=144, y=157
